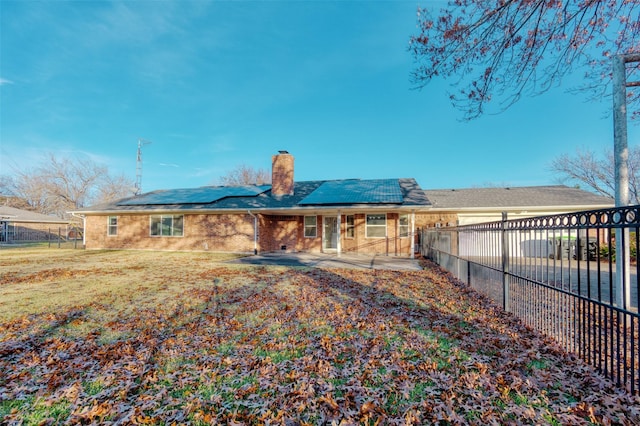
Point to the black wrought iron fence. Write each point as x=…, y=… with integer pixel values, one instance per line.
x=53, y=237
x=572, y=276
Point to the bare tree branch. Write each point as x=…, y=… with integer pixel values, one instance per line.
x=586, y=169
x=502, y=49
x=245, y=175
x=59, y=185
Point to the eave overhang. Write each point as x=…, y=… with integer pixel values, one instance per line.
x=262, y=210
x=520, y=209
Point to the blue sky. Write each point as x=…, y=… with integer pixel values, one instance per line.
x=216, y=85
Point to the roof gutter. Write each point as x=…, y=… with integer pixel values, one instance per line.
x=531, y=209
x=255, y=232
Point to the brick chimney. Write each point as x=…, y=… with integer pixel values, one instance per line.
x=282, y=174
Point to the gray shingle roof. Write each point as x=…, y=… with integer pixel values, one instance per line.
x=361, y=193
x=405, y=193
x=532, y=196
x=18, y=215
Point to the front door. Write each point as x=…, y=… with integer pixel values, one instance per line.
x=330, y=233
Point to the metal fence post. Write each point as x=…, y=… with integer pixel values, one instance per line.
x=505, y=263
x=621, y=155
x=586, y=319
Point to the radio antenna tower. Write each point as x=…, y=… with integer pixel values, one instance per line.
x=138, y=187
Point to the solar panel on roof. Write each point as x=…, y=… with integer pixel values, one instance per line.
x=203, y=195
x=355, y=191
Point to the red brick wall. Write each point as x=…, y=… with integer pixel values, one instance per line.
x=235, y=233
x=393, y=245
x=227, y=233
x=278, y=231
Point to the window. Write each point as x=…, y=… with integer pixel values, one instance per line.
x=403, y=225
x=376, y=225
x=167, y=226
x=351, y=226
x=112, y=225
x=310, y=226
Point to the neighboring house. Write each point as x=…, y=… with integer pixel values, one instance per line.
x=477, y=205
x=480, y=205
x=335, y=216
x=24, y=225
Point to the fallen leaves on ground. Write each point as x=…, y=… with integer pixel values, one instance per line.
x=261, y=345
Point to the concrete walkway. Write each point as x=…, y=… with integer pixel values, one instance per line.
x=323, y=260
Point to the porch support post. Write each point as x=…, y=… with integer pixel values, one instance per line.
x=255, y=232
x=412, y=240
x=339, y=246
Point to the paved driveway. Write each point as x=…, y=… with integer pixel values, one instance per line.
x=321, y=260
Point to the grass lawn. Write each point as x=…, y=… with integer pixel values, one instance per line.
x=172, y=338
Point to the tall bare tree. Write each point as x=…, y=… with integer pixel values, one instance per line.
x=505, y=49
x=585, y=168
x=113, y=188
x=245, y=175
x=58, y=185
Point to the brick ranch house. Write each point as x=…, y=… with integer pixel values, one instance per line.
x=378, y=216
x=358, y=216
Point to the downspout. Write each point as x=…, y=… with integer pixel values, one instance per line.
x=84, y=227
x=255, y=232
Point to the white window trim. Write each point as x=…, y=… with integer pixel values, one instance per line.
x=315, y=227
x=161, y=216
x=109, y=226
x=366, y=225
x=408, y=225
x=347, y=226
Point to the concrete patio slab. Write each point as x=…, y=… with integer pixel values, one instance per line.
x=324, y=260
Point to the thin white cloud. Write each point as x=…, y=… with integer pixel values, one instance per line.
x=4, y=81
x=168, y=165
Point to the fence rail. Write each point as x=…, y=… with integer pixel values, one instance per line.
x=54, y=237
x=573, y=276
